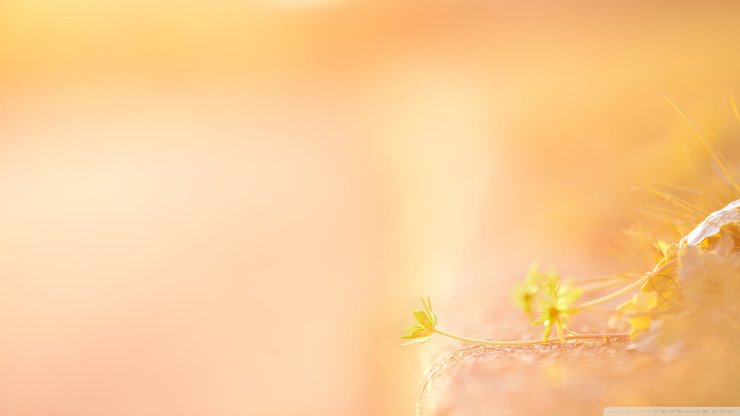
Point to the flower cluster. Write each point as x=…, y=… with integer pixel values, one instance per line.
x=547, y=300
x=691, y=275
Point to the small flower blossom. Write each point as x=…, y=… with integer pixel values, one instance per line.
x=637, y=310
x=526, y=293
x=422, y=331
x=555, y=307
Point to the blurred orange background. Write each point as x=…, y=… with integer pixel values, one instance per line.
x=230, y=207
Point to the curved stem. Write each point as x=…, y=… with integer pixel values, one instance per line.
x=625, y=289
x=613, y=295
x=603, y=285
x=606, y=277
x=598, y=336
x=571, y=337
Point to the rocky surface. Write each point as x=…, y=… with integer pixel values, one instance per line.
x=575, y=378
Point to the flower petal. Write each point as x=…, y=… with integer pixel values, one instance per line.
x=417, y=340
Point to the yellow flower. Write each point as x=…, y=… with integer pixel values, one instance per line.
x=637, y=310
x=525, y=293
x=555, y=308
x=424, y=328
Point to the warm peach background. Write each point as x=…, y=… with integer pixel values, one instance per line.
x=230, y=207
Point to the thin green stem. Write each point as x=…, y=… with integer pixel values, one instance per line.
x=571, y=337
x=625, y=289
x=734, y=108
x=713, y=153
x=604, y=278
x=613, y=295
x=603, y=285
